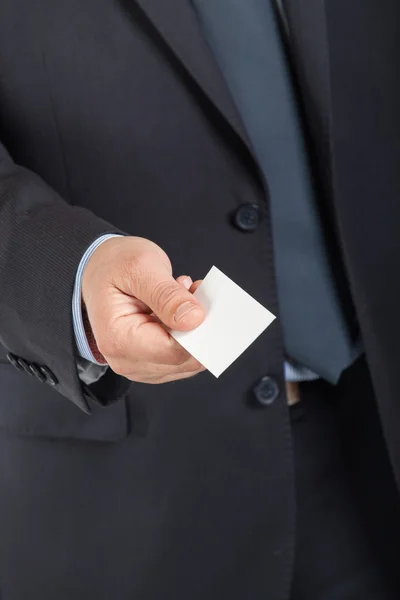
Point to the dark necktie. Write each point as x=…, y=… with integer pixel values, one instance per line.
x=246, y=41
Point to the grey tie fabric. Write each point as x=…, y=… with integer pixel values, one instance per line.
x=246, y=41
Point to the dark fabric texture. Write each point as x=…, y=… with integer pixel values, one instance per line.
x=348, y=517
x=115, y=117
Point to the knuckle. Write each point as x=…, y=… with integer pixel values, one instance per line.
x=175, y=354
x=106, y=346
x=179, y=357
x=159, y=254
x=134, y=268
x=194, y=366
x=145, y=257
x=118, y=369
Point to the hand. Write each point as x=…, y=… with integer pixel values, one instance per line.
x=129, y=291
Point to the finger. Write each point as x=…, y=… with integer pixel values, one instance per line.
x=155, y=374
x=195, y=285
x=183, y=280
x=186, y=281
x=146, y=371
x=124, y=304
x=178, y=377
x=168, y=299
x=141, y=338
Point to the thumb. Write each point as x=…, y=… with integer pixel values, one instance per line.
x=175, y=306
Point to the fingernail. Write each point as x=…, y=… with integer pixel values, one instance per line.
x=187, y=282
x=183, y=310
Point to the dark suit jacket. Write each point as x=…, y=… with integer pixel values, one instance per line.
x=114, y=117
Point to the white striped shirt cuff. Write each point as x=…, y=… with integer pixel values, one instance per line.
x=79, y=330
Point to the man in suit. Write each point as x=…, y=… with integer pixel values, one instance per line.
x=142, y=142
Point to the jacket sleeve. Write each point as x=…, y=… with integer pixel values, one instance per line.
x=42, y=240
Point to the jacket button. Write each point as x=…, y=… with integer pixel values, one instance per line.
x=50, y=378
x=247, y=217
x=25, y=365
x=37, y=372
x=266, y=391
x=14, y=361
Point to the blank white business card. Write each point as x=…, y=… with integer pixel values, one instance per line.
x=233, y=321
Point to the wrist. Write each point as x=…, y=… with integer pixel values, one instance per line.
x=97, y=355
x=97, y=265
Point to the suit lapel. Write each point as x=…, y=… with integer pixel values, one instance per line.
x=177, y=24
